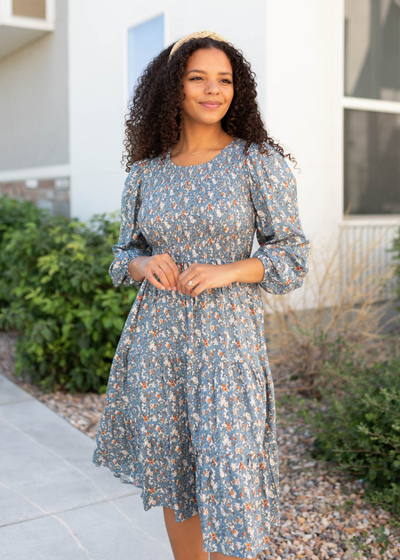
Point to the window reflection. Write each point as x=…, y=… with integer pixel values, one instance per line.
x=145, y=41
x=371, y=162
x=372, y=49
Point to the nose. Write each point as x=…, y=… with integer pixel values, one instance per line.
x=211, y=86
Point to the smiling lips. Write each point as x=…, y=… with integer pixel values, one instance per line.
x=210, y=105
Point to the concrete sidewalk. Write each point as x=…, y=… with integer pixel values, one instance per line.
x=55, y=503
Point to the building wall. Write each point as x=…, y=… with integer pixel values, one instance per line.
x=34, y=117
x=304, y=103
x=34, y=101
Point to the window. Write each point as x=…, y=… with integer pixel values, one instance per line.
x=29, y=8
x=371, y=162
x=145, y=41
x=372, y=107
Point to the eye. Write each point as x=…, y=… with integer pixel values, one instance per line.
x=199, y=77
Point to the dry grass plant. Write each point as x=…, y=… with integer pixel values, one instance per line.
x=336, y=316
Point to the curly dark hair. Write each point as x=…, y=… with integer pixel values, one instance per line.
x=154, y=120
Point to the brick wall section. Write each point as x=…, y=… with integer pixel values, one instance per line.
x=50, y=194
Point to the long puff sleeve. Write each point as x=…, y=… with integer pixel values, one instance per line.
x=284, y=248
x=131, y=242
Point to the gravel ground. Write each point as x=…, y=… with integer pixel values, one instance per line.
x=323, y=513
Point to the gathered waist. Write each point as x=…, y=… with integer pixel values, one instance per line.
x=184, y=262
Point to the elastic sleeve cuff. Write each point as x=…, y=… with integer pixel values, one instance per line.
x=119, y=271
x=265, y=262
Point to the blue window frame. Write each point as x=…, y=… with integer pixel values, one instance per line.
x=145, y=41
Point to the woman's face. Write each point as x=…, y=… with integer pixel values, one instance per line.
x=208, y=78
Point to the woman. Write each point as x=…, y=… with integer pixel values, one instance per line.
x=190, y=410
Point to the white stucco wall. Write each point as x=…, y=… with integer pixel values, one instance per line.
x=304, y=93
x=304, y=96
x=34, y=105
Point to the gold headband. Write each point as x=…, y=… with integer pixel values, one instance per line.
x=196, y=35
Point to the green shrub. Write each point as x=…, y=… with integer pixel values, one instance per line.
x=14, y=214
x=357, y=426
x=59, y=295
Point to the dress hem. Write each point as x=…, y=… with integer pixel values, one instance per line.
x=129, y=479
x=214, y=547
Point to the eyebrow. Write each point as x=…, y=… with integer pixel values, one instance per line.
x=203, y=72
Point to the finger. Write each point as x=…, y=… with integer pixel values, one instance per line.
x=183, y=287
x=189, y=289
x=181, y=282
x=170, y=269
x=153, y=280
x=165, y=269
x=179, y=285
x=165, y=274
x=172, y=273
x=197, y=290
x=185, y=277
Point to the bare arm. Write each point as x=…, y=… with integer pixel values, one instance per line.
x=246, y=270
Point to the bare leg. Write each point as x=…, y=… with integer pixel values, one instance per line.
x=185, y=537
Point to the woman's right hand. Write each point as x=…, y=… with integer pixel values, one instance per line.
x=160, y=264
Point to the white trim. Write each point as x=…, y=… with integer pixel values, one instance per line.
x=8, y=19
x=20, y=22
x=372, y=220
x=51, y=11
x=341, y=124
x=5, y=9
x=50, y=172
x=70, y=92
x=376, y=105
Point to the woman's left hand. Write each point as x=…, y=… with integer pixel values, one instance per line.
x=205, y=276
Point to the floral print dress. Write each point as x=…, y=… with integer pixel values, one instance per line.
x=189, y=413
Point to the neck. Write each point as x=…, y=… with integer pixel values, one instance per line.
x=195, y=139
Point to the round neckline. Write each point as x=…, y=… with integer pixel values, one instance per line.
x=223, y=151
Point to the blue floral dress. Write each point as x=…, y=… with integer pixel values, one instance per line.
x=189, y=413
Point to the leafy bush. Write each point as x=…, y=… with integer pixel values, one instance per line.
x=55, y=283
x=14, y=214
x=357, y=426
